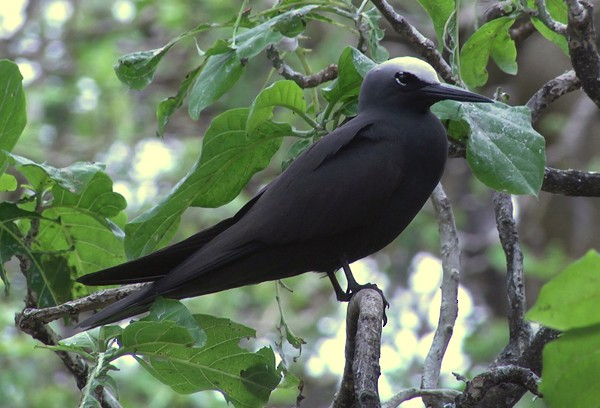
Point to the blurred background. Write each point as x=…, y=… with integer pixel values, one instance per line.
x=79, y=111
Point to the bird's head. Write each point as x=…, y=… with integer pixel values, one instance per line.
x=409, y=83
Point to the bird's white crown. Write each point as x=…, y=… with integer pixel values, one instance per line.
x=419, y=68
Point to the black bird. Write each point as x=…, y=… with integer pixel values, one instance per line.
x=347, y=196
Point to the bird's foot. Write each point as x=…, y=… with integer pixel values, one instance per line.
x=358, y=287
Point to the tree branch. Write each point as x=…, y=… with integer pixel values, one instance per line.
x=421, y=44
x=546, y=18
x=582, y=47
x=574, y=183
x=363, y=348
x=550, y=91
x=479, y=386
x=30, y=317
x=515, y=281
x=450, y=253
x=303, y=81
x=410, y=393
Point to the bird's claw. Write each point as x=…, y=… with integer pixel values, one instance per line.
x=352, y=291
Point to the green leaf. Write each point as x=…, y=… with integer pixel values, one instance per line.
x=96, y=197
x=492, y=39
x=570, y=300
x=291, y=25
x=219, y=74
x=76, y=234
x=282, y=93
x=246, y=379
x=168, y=106
x=86, y=239
x=352, y=68
x=172, y=310
x=229, y=159
x=570, y=368
x=558, y=10
x=222, y=71
x=13, y=115
x=49, y=278
x=376, y=34
x=73, y=178
x=439, y=12
x=503, y=150
x=136, y=69
x=8, y=182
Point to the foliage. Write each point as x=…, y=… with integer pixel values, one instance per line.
x=69, y=221
x=571, y=362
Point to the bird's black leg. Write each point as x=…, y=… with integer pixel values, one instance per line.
x=354, y=287
x=339, y=292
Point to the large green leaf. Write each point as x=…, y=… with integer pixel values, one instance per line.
x=218, y=75
x=13, y=116
x=286, y=94
x=439, y=12
x=491, y=39
x=76, y=233
x=169, y=352
x=230, y=156
x=503, y=150
x=571, y=299
x=221, y=71
x=570, y=369
x=352, y=67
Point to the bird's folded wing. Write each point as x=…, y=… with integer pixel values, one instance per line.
x=338, y=186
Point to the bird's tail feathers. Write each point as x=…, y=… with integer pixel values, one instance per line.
x=129, y=306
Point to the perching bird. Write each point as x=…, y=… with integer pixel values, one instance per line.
x=347, y=196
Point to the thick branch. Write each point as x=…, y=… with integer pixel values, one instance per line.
x=450, y=253
x=572, y=182
x=363, y=347
x=421, y=44
x=550, y=91
x=478, y=387
x=582, y=47
x=303, y=81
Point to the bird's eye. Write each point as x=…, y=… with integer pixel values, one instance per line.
x=404, y=78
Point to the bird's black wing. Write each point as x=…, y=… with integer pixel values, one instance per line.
x=339, y=185
x=156, y=265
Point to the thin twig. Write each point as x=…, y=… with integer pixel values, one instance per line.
x=450, y=253
x=515, y=280
x=410, y=393
x=547, y=19
x=304, y=81
x=96, y=300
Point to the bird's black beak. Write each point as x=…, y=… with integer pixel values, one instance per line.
x=440, y=92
